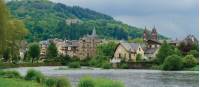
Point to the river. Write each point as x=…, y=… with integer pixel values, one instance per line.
x=130, y=77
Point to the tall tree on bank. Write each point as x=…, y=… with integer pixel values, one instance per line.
x=164, y=51
x=34, y=51
x=12, y=31
x=52, y=51
x=3, y=23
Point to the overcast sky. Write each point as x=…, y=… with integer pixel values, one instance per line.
x=172, y=18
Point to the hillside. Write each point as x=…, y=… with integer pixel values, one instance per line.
x=46, y=19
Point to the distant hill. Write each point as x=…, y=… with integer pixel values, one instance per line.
x=46, y=19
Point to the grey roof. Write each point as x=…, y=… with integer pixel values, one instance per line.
x=130, y=46
x=72, y=43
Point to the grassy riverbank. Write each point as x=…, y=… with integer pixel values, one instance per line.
x=11, y=82
x=35, y=78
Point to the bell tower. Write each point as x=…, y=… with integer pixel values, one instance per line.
x=154, y=35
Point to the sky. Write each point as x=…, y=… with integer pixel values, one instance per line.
x=172, y=18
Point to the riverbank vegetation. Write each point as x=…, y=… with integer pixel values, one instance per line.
x=35, y=78
x=99, y=82
x=7, y=82
x=183, y=57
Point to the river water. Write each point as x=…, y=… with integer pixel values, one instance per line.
x=130, y=77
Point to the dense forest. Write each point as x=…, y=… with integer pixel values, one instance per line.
x=46, y=19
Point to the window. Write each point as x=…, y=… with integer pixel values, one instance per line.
x=119, y=55
x=153, y=46
x=139, y=49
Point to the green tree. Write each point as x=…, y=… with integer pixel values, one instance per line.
x=52, y=51
x=4, y=16
x=136, y=40
x=177, y=51
x=173, y=62
x=189, y=61
x=14, y=35
x=104, y=53
x=195, y=53
x=34, y=51
x=164, y=51
x=106, y=49
x=11, y=32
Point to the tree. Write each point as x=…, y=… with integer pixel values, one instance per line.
x=136, y=40
x=177, y=51
x=173, y=62
x=106, y=49
x=104, y=53
x=52, y=51
x=34, y=51
x=4, y=17
x=12, y=31
x=6, y=55
x=164, y=51
x=189, y=61
x=14, y=35
x=195, y=53
x=138, y=57
x=186, y=47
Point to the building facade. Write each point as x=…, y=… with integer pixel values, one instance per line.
x=128, y=52
x=83, y=48
x=148, y=49
x=88, y=44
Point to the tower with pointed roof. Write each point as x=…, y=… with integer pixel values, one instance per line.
x=154, y=34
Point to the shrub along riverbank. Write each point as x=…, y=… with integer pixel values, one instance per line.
x=35, y=78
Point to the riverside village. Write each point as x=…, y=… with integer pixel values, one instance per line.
x=85, y=48
x=99, y=43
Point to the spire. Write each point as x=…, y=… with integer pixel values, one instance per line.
x=94, y=32
x=154, y=29
x=154, y=35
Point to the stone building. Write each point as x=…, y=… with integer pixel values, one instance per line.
x=82, y=48
x=152, y=44
x=148, y=49
x=72, y=48
x=87, y=45
x=71, y=21
x=128, y=51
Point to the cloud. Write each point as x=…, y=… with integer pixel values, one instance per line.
x=173, y=18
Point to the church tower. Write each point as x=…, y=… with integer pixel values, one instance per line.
x=154, y=35
x=145, y=35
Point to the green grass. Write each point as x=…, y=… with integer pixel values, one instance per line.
x=8, y=82
x=99, y=82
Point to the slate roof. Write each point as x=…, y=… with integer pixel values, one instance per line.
x=131, y=46
x=73, y=43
